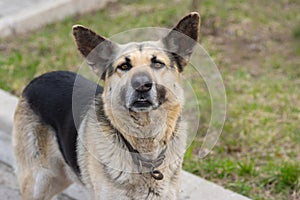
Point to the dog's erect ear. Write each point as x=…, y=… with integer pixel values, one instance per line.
x=96, y=49
x=181, y=40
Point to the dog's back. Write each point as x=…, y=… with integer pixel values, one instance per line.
x=48, y=114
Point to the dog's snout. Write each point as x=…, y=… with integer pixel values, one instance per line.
x=141, y=82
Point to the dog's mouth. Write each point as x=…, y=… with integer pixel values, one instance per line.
x=142, y=104
x=144, y=101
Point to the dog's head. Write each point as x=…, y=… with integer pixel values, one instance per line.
x=141, y=79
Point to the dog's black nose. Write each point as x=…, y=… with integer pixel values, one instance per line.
x=141, y=82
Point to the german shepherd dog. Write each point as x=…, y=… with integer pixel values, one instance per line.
x=125, y=140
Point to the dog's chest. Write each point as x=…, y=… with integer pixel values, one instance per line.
x=127, y=183
x=114, y=175
x=118, y=177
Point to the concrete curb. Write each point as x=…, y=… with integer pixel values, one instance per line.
x=8, y=104
x=44, y=13
x=192, y=187
x=198, y=188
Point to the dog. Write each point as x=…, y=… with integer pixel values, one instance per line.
x=125, y=140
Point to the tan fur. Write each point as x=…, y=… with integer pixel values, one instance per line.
x=107, y=168
x=37, y=156
x=120, y=164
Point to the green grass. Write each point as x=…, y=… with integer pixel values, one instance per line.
x=256, y=46
x=297, y=32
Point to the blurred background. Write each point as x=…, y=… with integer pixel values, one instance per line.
x=256, y=46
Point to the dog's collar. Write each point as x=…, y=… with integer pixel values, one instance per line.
x=140, y=161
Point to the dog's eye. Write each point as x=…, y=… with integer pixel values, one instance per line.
x=157, y=64
x=124, y=67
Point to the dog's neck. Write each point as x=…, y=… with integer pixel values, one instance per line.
x=140, y=119
x=147, y=132
x=150, y=152
x=141, y=161
x=153, y=149
x=152, y=136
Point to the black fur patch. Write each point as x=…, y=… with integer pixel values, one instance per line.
x=176, y=59
x=109, y=71
x=51, y=97
x=161, y=93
